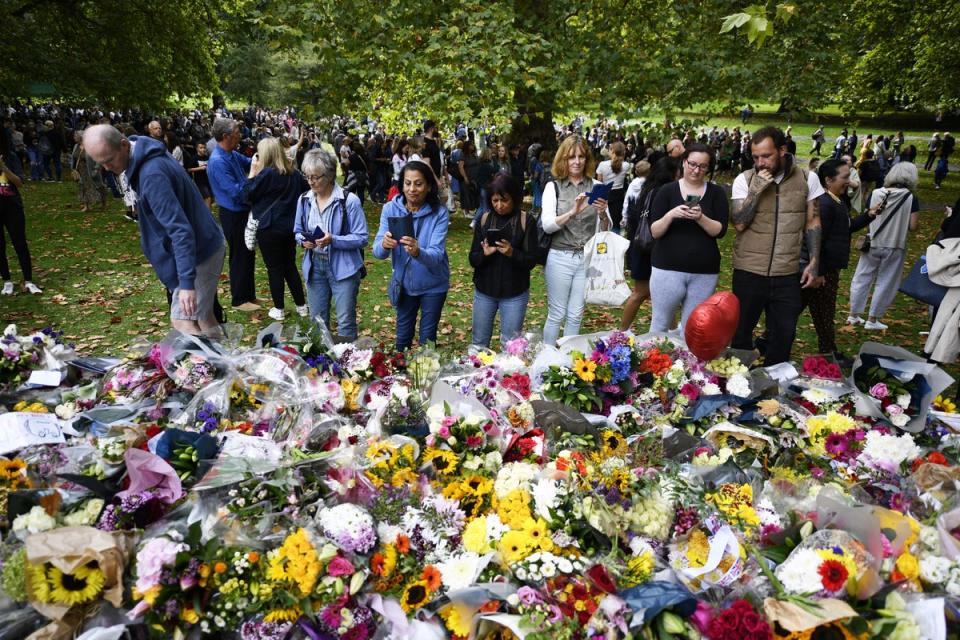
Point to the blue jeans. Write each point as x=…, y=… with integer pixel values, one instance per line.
x=34, y=156
x=512, y=312
x=321, y=287
x=566, y=276
x=429, y=305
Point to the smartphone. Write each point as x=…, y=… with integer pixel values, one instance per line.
x=494, y=236
x=692, y=200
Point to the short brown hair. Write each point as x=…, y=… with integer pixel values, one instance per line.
x=559, y=168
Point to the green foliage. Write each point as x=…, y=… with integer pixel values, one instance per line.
x=113, y=52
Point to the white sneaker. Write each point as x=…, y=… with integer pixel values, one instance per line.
x=303, y=311
x=276, y=314
x=32, y=288
x=875, y=326
x=854, y=320
x=7, y=289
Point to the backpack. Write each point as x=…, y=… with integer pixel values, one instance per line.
x=642, y=241
x=544, y=239
x=343, y=231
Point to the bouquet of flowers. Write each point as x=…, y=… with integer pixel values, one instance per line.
x=899, y=401
x=19, y=355
x=822, y=367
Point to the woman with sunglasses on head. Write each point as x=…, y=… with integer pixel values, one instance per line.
x=686, y=219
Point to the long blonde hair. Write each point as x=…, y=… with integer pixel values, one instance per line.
x=559, y=168
x=272, y=154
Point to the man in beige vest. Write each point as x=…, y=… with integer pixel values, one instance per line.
x=774, y=212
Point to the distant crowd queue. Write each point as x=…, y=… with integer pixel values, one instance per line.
x=793, y=225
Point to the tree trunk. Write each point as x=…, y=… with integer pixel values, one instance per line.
x=534, y=121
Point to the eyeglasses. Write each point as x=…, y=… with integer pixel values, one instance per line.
x=701, y=167
x=312, y=179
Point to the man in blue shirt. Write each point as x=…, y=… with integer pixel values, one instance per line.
x=227, y=173
x=178, y=234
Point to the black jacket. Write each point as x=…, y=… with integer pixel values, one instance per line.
x=837, y=229
x=269, y=187
x=497, y=275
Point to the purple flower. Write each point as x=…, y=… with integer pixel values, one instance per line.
x=836, y=444
x=879, y=391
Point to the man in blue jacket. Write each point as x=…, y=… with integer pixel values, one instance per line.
x=178, y=234
x=227, y=173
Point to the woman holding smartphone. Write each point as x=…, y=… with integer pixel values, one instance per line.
x=686, y=219
x=421, y=268
x=571, y=220
x=502, y=255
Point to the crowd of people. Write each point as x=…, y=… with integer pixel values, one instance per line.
x=277, y=185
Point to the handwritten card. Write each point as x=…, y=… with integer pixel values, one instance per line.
x=19, y=430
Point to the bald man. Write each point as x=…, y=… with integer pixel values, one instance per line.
x=178, y=234
x=155, y=129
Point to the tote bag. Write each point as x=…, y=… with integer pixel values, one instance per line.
x=917, y=284
x=604, y=256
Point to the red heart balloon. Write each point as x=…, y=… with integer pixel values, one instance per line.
x=711, y=325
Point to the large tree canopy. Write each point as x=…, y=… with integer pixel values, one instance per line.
x=112, y=51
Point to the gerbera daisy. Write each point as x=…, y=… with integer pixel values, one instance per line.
x=83, y=585
x=585, y=369
x=539, y=533
x=833, y=575
x=836, y=444
x=415, y=595
x=403, y=543
x=431, y=576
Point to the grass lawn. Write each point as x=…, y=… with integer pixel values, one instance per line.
x=101, y=291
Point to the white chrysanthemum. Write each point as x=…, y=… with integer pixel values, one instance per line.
x=799, y=573
x=461, y=570
x=890, y=450
x=817, y=396
x=930, y=538
x=934, y=569
x=495, y=527
x=639, y=546
x=738, y=385
x=515, y=475
x=546, y=497
x=710, y=389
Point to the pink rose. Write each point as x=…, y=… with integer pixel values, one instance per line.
x=879, y=391
x=443, y=432
x=339, y=566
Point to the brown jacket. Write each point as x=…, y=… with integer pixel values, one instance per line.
x=771, y=245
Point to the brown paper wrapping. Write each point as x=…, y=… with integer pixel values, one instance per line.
x=67, y=549
x=795, y=618
x=936, y=476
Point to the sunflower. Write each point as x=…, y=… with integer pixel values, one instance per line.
x=403, y=477
x=458, y=619
x=284, y=614
x=835, y=630
x=83, y=585
x=415, y=595
x=477, y=485
x=39, y=587
x=614, y=444
x=444, y=462
x=585, y=369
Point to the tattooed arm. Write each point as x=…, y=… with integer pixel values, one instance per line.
x=746, y=209
x=813, y=237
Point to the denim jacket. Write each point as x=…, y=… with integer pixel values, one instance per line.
x=429, y=272
x=346, y=250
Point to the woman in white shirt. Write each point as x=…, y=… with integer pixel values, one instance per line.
x=614, y=172
x=401, y=149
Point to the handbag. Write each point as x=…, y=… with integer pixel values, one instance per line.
x=863, y=242
x=250, y=231
x=643, y=237
x=918, y=286
x=544, y=239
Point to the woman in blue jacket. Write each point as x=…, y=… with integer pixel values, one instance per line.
x=421, y=268
x=331, y=226
x=273, y=191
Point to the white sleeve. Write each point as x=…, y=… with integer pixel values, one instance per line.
x=740, y=188
x=814, y=188
x=548, y=217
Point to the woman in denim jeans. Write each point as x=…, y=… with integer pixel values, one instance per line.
x=571, y=223
x=501, y=275
x=333, y=258
x=421, y=268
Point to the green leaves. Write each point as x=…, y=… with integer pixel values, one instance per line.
x=754, y=20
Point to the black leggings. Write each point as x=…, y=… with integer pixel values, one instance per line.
x=13, y=220
x=279, y=250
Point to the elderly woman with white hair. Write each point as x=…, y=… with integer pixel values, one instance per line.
x=883, y=261
x=331, y=226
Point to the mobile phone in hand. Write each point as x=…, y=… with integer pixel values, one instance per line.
x=692, y=200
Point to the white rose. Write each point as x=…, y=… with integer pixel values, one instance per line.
x=903, y=400
x=900, y=420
